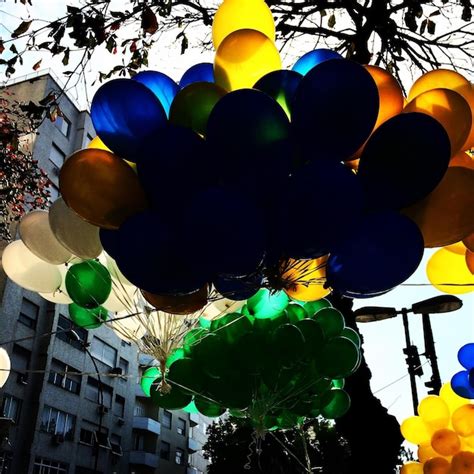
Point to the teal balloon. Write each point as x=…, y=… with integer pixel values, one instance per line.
x=295, y=313
x=176, y=399
x=88, y=283
x=313, y=336
x=148, y=378
x=191, y=408
x=312, y=307
x=176, y=354
x=336, y=403
x=267, y=305
x=87, y=318
x=331, y=321
x=208, y=408
x=352, y=335
x=339, y=358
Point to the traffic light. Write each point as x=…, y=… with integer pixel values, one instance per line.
x=413, y=360
x=434, y=385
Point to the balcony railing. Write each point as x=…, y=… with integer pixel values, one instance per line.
x=144, y=459
x=146, y=424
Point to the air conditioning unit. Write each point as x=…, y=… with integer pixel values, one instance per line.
x=120, y=421
x=57, y=439
x=102, y=410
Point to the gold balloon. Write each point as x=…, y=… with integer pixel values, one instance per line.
x=450, y=109
x=463, y=463
x=412, y=468
x=243, y=58
x=101, y=188
x=436, y=466
x=458, y=248
x=97, y=144
x=426, y=452
x=446, y=215
x=448, y=272
x=235, y=15
x=462, y=159
x=304, y=279
x=469, y=96
x=415, y=430
x=463, y=420
x=434, y=411
x=446, y=442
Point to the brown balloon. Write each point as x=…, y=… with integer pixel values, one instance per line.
x=446, y=215
x=179, y=304
x=469, y=242
x=101, y=188
x=470, y=261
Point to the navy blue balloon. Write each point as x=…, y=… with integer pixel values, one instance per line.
x=313, y=58
x=281, y=85
x=381, y=252
x=110, y=241
x=335, y=110
x=224, y=248
x=124, y=113
x=404, y=160
x=461, y=385
x=154, y=257
x=323, y=200
x=202, y=72
x=238, y=289
x=164, y=88
x=466, y=356
x=174, y=164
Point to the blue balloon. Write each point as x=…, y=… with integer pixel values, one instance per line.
x=282, y=86
x=335, y=110
x=110, y=241
x=404, y=160
x=313, y=58
x=380, y=253
x=164, y=88
x=238, y=289
x=461, y=385
x=466, y=356
x=124, y=113
x=202, y=72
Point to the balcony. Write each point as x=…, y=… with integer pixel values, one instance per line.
x=139, y=392
x=193, y=445
x=194, y=419
x=144, y=459
x=146, y=424
x=192, y=470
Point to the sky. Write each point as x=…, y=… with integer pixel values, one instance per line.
x=384, y=340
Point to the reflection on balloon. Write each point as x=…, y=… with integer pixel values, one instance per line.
x=312, y=58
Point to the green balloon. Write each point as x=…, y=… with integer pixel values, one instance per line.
x=211, y=354
x=339, y=358
x=352, y=335
x=87, y=318
x=204, y=322
x=313, y=336
x=267, y=305
x=193, y=104
x=295, y=313
x=148, y=378
x=88, y=283
x=312, y=307
x=191, y=408
x=338, y=383
x=176, y=354
x=186, y=375
x=176, y=399
x=251, y=354
x=232, y=327
x=233, y=390
x=287, y=419
x=267, y=326
x=191, y=339
x=331, y=321
x=288, y=344
x=207, y=408
x=335, y=404
x=237, y=413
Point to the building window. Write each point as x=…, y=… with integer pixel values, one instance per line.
x=46, y=466
x=5, y=462
x=116, y=444
x=102, y=351
x=63, y=124
x=28, y=313
x=181, y=428
x=166, y=419
x=165, y=450
x=87, y=437
x=11, y=408
x=123, y=364
x=65, y=376
x=179, y=457
x=93, y=392
x=21, y=362
x=125, y=343
x=64, y=329
x=58, y=422
x=57, y=156
x=119, y=406
x=138, y=441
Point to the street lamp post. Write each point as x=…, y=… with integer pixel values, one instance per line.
x=438, y=304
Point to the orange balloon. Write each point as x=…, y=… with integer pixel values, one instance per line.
x=470, y=261
x=179, y=304
x=463, y=463
x=446, y=442
x=463, y=420
x=98, y=144
x=450, y=109
x=436, y=466
x=469, y=96
x=101, y=188
x=446, y=215
x=412, y=468
x=469, y=242
x=462, y=159
x=426, y=452
x=458, y=248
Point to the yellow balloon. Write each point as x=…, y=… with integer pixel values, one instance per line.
x=304, y=279
x=235, y=15
x=448, y=272
x=436, y=466
x=98, y=144
x=463, y=420
x=463, y=463
x=453, y=400
x=446, y=442
x=412, y=468
x=434, y=411
x=243, y=58
x=416, y=431
x=426, y=452
x=450, y=109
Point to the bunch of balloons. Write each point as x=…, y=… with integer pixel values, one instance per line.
x=275, y=362
x=444, y=433
x=463, y=382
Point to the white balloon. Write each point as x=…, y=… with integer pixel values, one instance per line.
x=129, y=329
x=37, y=235
x=27, y=270
x=121, y=298
x=60, y=296
x=5, y=367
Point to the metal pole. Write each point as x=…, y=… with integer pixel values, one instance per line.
x=414, y=393
x=430, y=353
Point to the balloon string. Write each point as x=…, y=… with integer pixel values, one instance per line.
x=293, y=455
x=252, y=445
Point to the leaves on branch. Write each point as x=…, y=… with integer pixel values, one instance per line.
x=66, y=57
x=332, y=21
x=37, y=65
x=2, y=47
x=22, y=28
x=431, y=27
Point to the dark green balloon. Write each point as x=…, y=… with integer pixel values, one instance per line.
x=232, y=327
x=313, y=336
x=295, y=313
x=176, y=354
x=266, y=304
x=207, y=408
x=233, y=390
x=352, y=335
x=287, y=419
x=339, y=358
x=312, y=307
x=185, y=374
x=192, y=337
x=88, y=283
x=87, y=318
x=331, y=321
x=268, y=325
x=212, y=355
x=289, y=344
x=251, y=354
x=335, y=404
x=176, y=399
